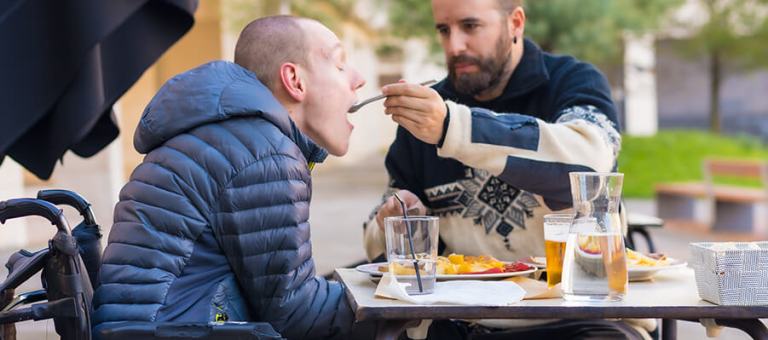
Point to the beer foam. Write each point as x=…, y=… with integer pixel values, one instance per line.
x=556, y=236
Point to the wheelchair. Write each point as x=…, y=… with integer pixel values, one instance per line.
x=67, y=288
x=69, y=268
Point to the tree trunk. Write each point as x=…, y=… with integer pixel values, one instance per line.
x=714, y=91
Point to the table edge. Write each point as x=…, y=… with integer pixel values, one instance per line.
x=356, y=309
x=363, y=313
x=561, y=312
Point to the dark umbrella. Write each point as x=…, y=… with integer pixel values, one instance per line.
x=63, y=64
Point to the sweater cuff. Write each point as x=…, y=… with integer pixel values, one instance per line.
x=458, y=130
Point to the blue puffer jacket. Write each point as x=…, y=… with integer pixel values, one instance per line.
x=214, y=220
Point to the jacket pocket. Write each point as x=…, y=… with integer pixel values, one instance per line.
x=227, y=303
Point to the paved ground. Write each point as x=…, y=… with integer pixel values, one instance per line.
x=342, y=200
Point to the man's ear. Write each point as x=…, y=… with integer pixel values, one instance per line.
x=516, y=21
x=292, y=81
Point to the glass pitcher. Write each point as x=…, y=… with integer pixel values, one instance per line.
x=595, y=265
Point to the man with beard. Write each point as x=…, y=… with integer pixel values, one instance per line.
x=489, y=148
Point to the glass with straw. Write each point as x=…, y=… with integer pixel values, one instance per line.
x=412, y=250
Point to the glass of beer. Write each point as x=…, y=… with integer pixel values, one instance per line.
x=556, y=227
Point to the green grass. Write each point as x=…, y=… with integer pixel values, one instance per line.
x=676, y=155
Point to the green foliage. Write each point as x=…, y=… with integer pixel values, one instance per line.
x=413, y=19
x=587, y=29
x=592, y=30
x=736, y=29
x=239, y=13
x=332, y=13
x=676, y=156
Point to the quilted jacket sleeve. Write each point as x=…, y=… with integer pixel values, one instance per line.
x=263, y=228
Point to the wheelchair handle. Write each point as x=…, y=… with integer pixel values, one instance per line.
x=21, y=207
x=70, y=198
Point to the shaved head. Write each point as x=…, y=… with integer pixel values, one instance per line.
x=266, y=43
x=509, y=5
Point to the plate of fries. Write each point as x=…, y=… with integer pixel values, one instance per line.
x=459, y=267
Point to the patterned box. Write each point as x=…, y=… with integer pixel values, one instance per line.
x=731, y=273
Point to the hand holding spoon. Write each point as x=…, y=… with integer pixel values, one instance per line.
x=357, y=106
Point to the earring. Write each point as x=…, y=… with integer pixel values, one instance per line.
x=514, y=40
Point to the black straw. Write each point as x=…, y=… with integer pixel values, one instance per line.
x=410, y=242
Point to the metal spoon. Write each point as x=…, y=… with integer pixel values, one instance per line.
x=357, y=106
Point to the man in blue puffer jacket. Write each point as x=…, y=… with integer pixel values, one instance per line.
x=213, y=223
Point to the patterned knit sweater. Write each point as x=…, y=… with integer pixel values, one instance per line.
x=504, y=163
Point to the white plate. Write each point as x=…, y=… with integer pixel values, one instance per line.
x=373, y=270
x=636, y=273
x=642, y=273
x=539, y=262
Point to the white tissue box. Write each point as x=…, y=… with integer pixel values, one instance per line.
x=731, y=273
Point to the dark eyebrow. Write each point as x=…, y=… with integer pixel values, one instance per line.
x=470, y=20
x=463, y=21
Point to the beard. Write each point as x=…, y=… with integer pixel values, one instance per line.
x=490, y=69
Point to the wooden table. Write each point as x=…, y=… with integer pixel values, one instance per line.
x=671, y=296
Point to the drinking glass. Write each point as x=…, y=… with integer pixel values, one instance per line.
x=412, y=251
x=556, y=229
x=595, y=266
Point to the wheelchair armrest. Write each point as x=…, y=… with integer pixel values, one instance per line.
x=26, y=298
x=22, y=266
x=184, y=330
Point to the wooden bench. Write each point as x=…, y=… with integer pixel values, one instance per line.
x=734, y=208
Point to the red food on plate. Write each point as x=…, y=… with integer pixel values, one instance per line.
x=516, y=267
x=490, y=271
